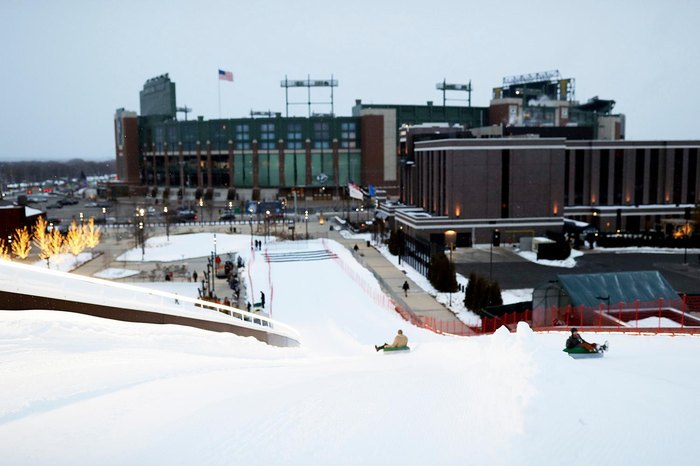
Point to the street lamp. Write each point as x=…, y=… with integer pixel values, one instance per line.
x=201, y=211
x=104, y=215
x=306, y=222
x=685, y=244
x=450, y=238
x=606, y=299
x=267, y=224
x=230, y=217
x=250, y=221
x=81, y=218
x=495, y=241
x=167, y=222
x=141, y=233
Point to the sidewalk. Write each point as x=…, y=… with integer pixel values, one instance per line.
x=391, y=279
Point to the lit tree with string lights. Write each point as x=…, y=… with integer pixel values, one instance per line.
x=91, y=234
x=4, y=250
x=21, y=243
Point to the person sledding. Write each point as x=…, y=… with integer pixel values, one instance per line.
x=400, y=342
x=576, y=341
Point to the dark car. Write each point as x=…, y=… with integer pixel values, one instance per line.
x=55, y=205
x=68, y=201
x=227, y=216
x=186, y=215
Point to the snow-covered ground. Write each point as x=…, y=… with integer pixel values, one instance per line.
x=81, y=390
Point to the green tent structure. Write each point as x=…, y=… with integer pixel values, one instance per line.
x=581, y=298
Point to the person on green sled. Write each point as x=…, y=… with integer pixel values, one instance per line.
x=399, y=340
x=575, y=340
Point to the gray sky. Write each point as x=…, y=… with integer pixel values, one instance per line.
x=65, y=66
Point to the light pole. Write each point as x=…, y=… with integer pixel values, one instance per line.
x=450, y=237
x=201, y=211
x=230, y=217
x=306, y=222
x=250, y=221
x=167, y=222
x=81, y=218
x=141, y=233
x=495, y=241
x=606, y=299
x=685, y=242
x=104, y=215
x=267, y=225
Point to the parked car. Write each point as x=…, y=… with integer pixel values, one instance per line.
x=68, y=201
x=186, y=215
x=227, y=216
x=55, y=205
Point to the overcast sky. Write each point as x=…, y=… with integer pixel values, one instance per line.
x=65, y=66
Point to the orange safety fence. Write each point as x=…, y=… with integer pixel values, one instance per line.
x=668, y=316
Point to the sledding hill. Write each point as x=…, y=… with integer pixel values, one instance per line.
x=82, y=390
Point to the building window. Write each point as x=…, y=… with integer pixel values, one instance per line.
x=322, y=135
x=677, y=176
x=692, y=175
x=604, y=177
x=578, y=176
x=505, y=183
x=189, y=136
x=654, y=174
x=159, y=137
x=172, y=136
x=294, y=138
x=242, y=137
x=348, y=136
x=219, y=140
x=267, y=136
x=567, y=165
x=639, y=177
x=618, y=176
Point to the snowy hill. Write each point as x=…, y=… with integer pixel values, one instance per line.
x=82, y=390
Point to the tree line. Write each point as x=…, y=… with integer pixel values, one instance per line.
x=38, y=171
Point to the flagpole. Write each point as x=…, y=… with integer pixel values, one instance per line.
x=219, y=79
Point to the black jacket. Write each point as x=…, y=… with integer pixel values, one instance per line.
x=573, y=341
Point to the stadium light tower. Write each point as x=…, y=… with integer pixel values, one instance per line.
x=444, y=87
x=308, y=83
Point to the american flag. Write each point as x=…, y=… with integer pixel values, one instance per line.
x=226, y=75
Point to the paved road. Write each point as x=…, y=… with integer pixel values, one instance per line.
x=512, y=271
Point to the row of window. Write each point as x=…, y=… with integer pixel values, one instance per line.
x=320, y=136
x=349, y=165
x=647, y=181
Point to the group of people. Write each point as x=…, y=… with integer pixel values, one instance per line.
x=258, y=245
x=574, y=341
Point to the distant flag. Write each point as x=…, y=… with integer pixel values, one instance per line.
x=354, y=191
x=225, y=75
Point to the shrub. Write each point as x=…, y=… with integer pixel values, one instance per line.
x=481, y=293
x=441, y=273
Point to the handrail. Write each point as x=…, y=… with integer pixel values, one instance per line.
x=47, y=285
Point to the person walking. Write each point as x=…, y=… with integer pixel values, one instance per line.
x=405, y=288
x=194, y=276
x=262, y=300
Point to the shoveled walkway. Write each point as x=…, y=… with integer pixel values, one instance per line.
x=391, y=279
